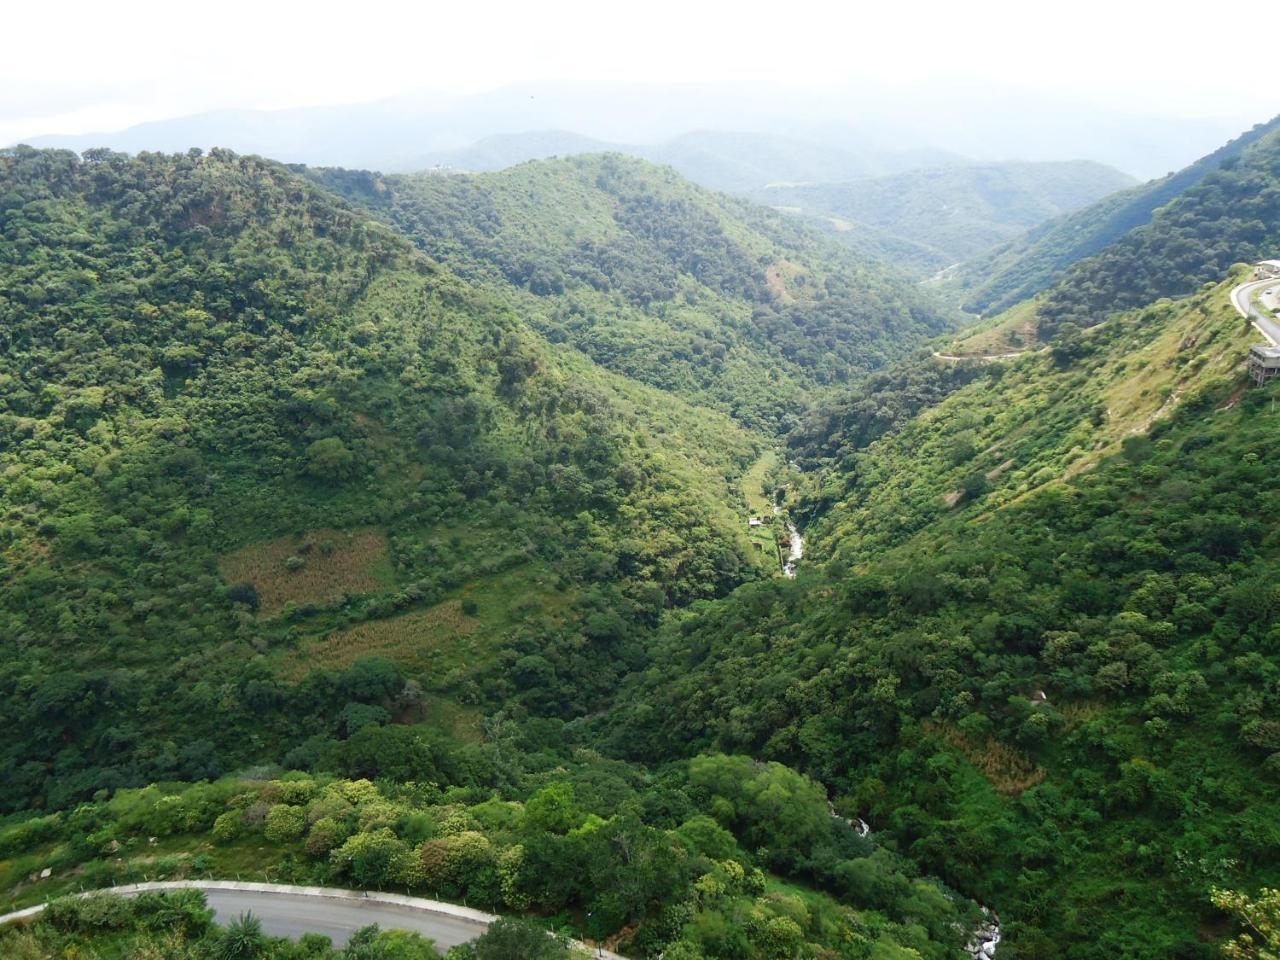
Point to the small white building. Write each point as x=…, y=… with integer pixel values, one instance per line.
x=755, y=522
x=1266, y=269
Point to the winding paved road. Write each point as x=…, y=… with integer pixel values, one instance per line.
x=290, y=911
x=292, y=914
x=1242, y=300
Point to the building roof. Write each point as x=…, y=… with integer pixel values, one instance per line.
x=1263, y=350
x=1269, y=263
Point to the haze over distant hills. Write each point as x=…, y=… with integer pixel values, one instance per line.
x=734, y=161
x=982, y=121
x=925, y=220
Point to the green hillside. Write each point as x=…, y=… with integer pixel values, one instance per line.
x=712, y=299
x=240, y=419
x=947, y=214
x=1032, y=263
x=1034, y=642
x=649, y=863
x=282, y=494
x=390, y=533
x=1231, y=216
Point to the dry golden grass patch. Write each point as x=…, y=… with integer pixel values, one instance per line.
x=334, y=562
x=1194, y=345
x=402, y=639
x=1008, y=769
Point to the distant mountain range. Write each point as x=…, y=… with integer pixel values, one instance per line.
x=925, y=220
x=880, y=128
x=730, y=161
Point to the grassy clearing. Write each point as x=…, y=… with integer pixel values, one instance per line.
x=760, y=504
x=752, y=484
x=179, y=857
x=1149, y=378
x=333, y=563
x=445, y=636
x=789, y=281
x=1013, y=330
x=404, y=639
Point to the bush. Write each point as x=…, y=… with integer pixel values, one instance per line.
x=184, y=911
x=511, y=939
x=285, y=823
x=229, y=827
x=326, y=833
x=102, y=911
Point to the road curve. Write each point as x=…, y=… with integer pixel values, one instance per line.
x=1242, y=300
x=293, y=914
x=290, y=911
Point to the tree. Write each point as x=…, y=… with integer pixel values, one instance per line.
x=553, y=809
x=511, y=939
x=376, y=859
x=370, y=943
x=329, y=460
x=1260, y=915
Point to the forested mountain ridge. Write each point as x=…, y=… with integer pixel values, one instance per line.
x=225, y=394
x=929, y=219
x=398, y=541
x=1230, y=216
x=718, y=301
x=1034, y=262
x=1035, y=636
x=281, y=493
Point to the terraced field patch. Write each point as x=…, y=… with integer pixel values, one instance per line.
x=446, y=637
x=312, y=568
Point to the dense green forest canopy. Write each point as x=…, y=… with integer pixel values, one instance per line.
x=1231, y=215
x=702, y=295
x=389, y=533
x=1047, y=669
x=714, y=856
x=213, y=371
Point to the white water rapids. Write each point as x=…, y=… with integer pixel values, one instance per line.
x=983, y=939
x=797, y=546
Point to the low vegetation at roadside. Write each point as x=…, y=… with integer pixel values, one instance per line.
x=717, y=857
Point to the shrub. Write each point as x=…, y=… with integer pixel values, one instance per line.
x=285, y=823
x=511, y=939
x=229, y=827
x=102, y=911
x=326, y=833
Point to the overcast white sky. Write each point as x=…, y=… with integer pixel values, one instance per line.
x=76, y=66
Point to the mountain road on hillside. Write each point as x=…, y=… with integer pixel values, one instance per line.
x=1242, y=298
x=290, y=911
x=291, y=915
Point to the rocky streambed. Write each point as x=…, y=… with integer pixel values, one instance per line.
x=796, y=546
x=983, y=939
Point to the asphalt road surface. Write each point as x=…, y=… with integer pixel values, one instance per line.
x=1242, y=297
x=292, y=915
